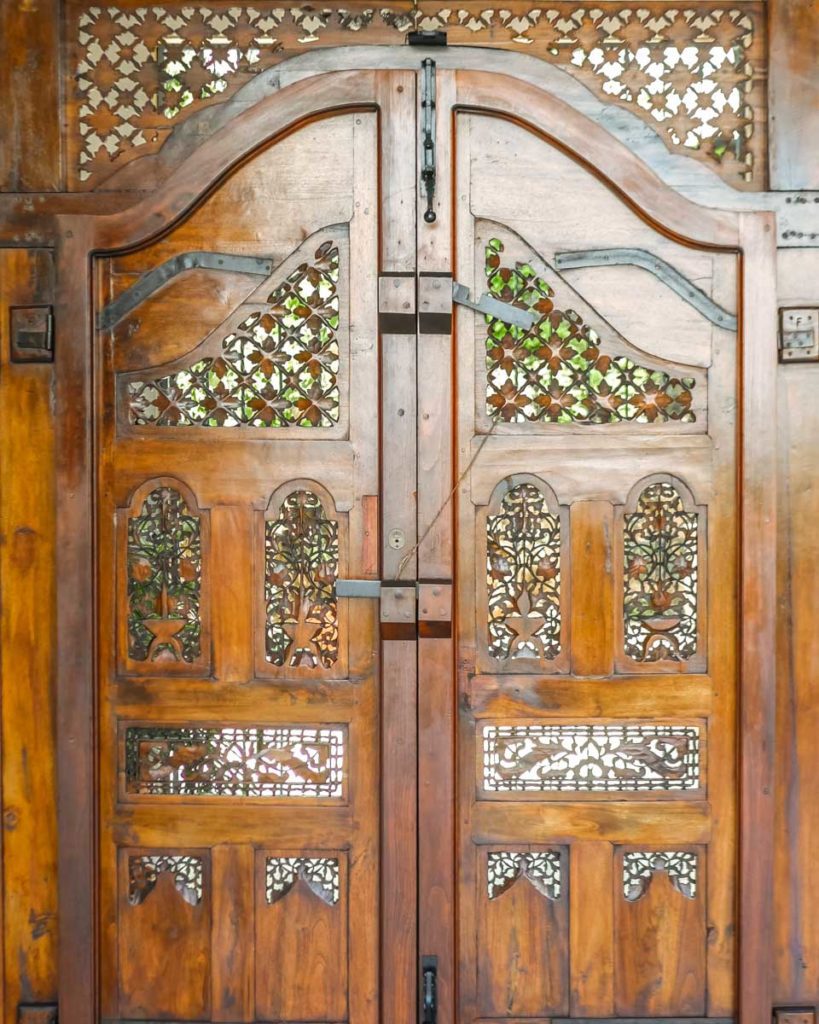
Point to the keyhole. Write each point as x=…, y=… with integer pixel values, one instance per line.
x=396, y=539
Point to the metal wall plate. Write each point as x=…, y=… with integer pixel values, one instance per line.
x=31, y=333
x=798, y=334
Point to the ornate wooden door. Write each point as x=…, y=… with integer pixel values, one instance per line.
x=411, y=691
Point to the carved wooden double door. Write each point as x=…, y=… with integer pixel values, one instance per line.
x=417, y=626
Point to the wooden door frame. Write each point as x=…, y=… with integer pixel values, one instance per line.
x=80, y=237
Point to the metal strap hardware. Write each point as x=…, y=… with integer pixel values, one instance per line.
x=153, y=280
x=428, y=137
x=358, y=588
x=406, y=605
x=490, y=306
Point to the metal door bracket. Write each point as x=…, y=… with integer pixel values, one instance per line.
x=32, y=330
x=428, y=137
x=798, y=335
x=490, y=306
x=429, y=990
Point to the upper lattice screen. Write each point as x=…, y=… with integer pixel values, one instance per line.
x=695, y=74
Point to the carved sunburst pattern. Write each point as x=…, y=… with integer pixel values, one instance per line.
x=558, y=371
x=301, y=566
x=523, y=576
x=590, y=758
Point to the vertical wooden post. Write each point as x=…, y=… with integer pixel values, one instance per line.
x=793, y=93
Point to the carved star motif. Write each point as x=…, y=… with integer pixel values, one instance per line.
x=525, y=625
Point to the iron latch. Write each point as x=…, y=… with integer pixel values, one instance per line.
x=429, y=990
x=488, y=305
x=408, y=608
x=428, y=137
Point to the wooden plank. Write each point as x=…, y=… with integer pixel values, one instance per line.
x=31, y=114
x=28, y=909
x=793, y=121
x=592, y=928
x=232, y=549
x=592, y=597
x=232, y=942
x=758, y=630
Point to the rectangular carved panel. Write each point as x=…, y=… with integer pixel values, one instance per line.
x=546, y=758
x=258, y=761
x=523, y=933
x=301, y=936
x=164, y=918
x=660, y=932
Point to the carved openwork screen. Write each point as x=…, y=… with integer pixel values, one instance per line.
x=237, y=357
x=597, y=658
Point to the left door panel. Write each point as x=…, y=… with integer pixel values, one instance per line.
x=237, y=454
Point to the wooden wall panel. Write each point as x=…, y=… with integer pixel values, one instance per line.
x=30, y=114
x=26, y=649
x=796, y=892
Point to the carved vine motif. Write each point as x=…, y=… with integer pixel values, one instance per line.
x=285, y=761
x=660, y=552
x=523, y=576
x=164, y=579
x=590, y=758
x=556, y=372
x=679, y=865
x=144, y=872
x=692, y=73
x=301, y=565
x=320, y=875
x=543, y=870
x=278, y=369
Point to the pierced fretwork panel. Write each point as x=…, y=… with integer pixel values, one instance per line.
x=274, y=761
x=679, y=865
x=523, y=576
x=544, y=870
x=547, y=758
x=278, y=368
x=164, y=554
x=558, y=371
x=660, y=576
x=695, y=74
x=301, y=566
x=144, y=871
x=320, y=875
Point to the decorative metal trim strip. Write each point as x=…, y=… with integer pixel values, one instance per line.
x=152, y=280
x=670, y=276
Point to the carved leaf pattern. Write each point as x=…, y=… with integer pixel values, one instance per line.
x=278, y=369
x=679, y=865
x=660, y=577
x=144, y=872
x=590, y=758
x=275, y=761
x=301, y=566
x=320, y=875
x=557, y=372
x=544, y=870
x=523, y=576
x=164, y=579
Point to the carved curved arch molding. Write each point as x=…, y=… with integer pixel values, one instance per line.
x=144, y=871
x=639, y=867
x=303, y=552
x=524, y=604
x=572, y=368
x=544, y=870
x=695, y=74
x=319, y=874
x=661, y=548
x=163, y=546
x=277, y=363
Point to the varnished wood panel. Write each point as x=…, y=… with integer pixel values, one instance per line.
x=27, y=582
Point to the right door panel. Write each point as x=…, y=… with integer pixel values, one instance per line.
x=597, y=598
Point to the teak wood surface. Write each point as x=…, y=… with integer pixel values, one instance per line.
x=414, y=828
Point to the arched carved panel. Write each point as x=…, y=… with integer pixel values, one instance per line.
x=543, y=870
x=144, y=871
x=681, y=866
x=662, y=547
x=563, y=370
x=276, y=363
x=524, y=599
x=303, y=552
x=164, y=622
x=319, y=874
